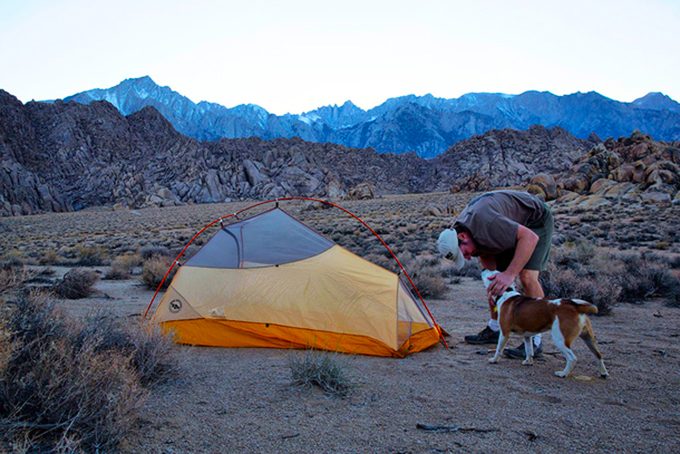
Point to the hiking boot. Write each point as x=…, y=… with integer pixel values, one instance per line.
x=520, y=353
x=485, y=336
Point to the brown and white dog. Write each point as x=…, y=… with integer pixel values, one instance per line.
x=565, y=318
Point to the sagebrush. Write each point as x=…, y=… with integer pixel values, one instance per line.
x=71, y=385
x=322, y=369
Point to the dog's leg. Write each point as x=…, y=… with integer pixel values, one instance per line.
x=502, y=340
x=588, y=336
x=559, y=341
x=529, y=349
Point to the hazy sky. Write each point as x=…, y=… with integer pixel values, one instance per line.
x=296, y=55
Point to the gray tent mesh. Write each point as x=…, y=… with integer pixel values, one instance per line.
x=270, y=238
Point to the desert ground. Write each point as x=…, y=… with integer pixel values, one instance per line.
x=242, y=400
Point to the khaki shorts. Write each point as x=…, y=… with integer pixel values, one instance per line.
x=539, y=259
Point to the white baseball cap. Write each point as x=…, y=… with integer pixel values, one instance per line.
x=447, y=244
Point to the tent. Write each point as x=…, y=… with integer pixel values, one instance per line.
x=271, y=281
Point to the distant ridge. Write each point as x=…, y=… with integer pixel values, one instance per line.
x=424, y=124
x=66, y=156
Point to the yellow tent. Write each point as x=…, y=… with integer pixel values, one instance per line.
x=271, y=281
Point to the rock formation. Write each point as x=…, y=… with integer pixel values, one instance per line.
x=68, y=156
x=635, y=168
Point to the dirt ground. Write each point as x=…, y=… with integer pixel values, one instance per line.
x=242, y=400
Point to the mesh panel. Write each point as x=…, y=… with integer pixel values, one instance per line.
x=411, y=318
x=271, y=238
x=405, y=287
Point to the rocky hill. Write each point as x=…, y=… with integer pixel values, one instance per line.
x=424, y=124
x=633, y=169
x=68, y=156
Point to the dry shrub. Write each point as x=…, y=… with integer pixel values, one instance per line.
x=145, y=345
x=644, y=277
x=574, y=254
x=12, y=278
x=90, y=403
x=568, y=283
x=471, y=268
x=122, y=267
x=12, y=259
x=148, y=252
x=321, y=369
x=90, y=255
x=72, y=386
x=76, y=284
x=49, y=258
x=151, y=354
x=426, y=273
x=580, y=271
x=430, y=283
x=154, y=269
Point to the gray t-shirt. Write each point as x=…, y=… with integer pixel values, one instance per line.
x=493, y=219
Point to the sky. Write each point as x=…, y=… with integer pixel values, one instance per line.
x=297, y=55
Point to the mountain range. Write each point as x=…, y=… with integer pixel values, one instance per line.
x=66, y=156
x=424, y=124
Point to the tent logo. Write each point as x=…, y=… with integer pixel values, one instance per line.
x=175, y=306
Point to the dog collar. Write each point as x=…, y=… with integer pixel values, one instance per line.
x=504, y=297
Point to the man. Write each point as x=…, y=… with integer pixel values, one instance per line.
x=510, y=231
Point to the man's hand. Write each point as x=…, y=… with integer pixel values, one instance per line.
x=499, y=283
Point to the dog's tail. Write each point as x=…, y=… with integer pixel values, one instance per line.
x=583, y=307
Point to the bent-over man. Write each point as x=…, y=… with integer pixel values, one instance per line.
x=509, y=231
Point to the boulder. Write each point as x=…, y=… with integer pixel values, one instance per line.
x=618, y=190
x=656, y=197
x=577, y=183
x=547, y=183
x=593, y=201
x=601, y=185
x=624, y=172
x=252, y=172
x=433, y=210
x=335, y=190
x=361, y=191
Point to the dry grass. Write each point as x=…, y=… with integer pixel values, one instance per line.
x=90, y=255
x=581, y=270
x=49, y=257
x=145, y=346
x=148, y=252
x=322, y=369
x=76, y=284
x=69, y=385
x=122, y=267
x=93, y=399
x=154, y=269
x=12, y=278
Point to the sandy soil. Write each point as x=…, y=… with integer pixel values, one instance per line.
x=241, y=400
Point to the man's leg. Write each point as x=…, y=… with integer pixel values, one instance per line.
x=489, y=335
x=529, y=276
x=532, y=287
